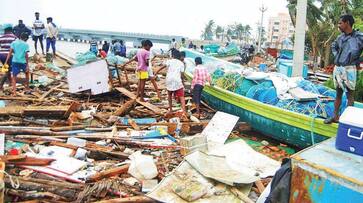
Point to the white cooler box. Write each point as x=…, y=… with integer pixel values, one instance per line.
x=350, y=131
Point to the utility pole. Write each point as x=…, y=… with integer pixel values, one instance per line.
x=299, y=44
x=263, y=9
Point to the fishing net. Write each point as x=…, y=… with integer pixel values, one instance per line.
x=245, y=86
x=83, y=58
x=116, y=60
x=231, y=49
x=264, y=92
x=217, y=74
x=308, y=86
x=229, y=81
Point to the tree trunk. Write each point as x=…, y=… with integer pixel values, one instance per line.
x=327, y=54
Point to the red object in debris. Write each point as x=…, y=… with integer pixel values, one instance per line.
x=329, y=69
x=272, y=52
x=14, y=152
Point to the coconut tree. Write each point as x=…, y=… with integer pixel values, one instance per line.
x=219, y=32
x=239, y=30
x=207, y=33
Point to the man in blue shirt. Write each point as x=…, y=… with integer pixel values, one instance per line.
x=346, y=49
x=123, y=49
x=94, y=47
x=117, y=47
x=19, y=49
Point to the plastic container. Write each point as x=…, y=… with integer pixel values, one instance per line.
x=350, y=131
x=263, y=67
x=286, y=69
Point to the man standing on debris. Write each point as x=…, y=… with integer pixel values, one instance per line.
x=52, y=33
x=21, y=28
x=93, y=47
x=123, y=49
x=200, y=78
x=5, y=41
x=183, y=43
x=142, y=57
x=174, y=81
x=19, y=49
x=346, y=49
x=38, y=33
x=173, y=46
x=117, y=48
x=106, y=47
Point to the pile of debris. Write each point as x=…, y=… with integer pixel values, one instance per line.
x=59, y=145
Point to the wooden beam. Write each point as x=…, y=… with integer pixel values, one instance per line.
x=109, y=173
x=134, y=199
x=125, y=108
x=50, y=91
x=20, y=99
x=131, y=95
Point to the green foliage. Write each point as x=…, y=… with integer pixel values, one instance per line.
x=359, y=86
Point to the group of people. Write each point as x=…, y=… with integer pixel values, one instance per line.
x=14, y=50
x=174, y=76
x=117, y=48
x=174, y=45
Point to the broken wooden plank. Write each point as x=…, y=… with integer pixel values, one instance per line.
x=152, y=107
x=26, y=185
x=125, y=108
x=28, y=161
x=20, y=99
x=50, y=91
x=68, y=128
x=9, y=123
x=48, y=111
x=260, y=186
x=109, y=173
x=11, y=110
x=134, y=199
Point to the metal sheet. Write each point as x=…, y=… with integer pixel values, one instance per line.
x=324, y=174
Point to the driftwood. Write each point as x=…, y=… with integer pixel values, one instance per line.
x=58, y=189
x=35, y=195
x=109, y=173
x=24, y=160
x=125, y=108
x=152, y=107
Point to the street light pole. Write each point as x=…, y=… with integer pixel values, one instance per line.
x=263, y=9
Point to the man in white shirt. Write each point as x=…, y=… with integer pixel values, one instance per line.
x=38, y=33
x=174, y=81
x=52, y=33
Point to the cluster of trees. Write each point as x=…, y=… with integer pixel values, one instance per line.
x=235, y=31
x=322, y=20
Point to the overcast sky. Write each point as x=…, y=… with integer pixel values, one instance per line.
x=186, y=18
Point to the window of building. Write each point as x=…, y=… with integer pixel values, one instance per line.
x=275, y=37
x=276, y=30
x=276, y=23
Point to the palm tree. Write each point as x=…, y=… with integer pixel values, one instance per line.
x=239, y=29
x=229, y=32
x=207, y=33
x=219, y=31
x=247, y=32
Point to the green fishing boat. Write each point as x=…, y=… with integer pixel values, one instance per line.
x=284, y=125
